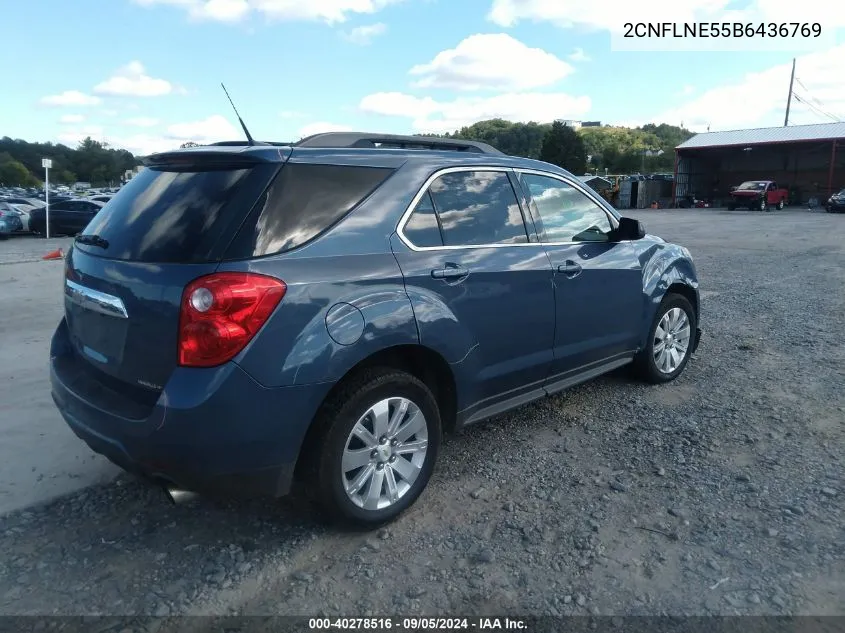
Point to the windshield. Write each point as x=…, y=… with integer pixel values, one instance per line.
x=753, y=185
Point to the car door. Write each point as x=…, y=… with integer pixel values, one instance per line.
x=60, y=214
x=481, y=290
x=80, y=214
x=598, y=284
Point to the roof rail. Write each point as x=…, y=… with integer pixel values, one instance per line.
x=394, y=141
x=233, y=143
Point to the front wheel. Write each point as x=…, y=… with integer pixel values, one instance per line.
x=670, y=341
x=781, y=205
x=379, y=443
x=763, y=205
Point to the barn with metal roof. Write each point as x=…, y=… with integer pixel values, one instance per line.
x=809, y=160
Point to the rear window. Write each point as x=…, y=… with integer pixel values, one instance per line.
x=177, y=215
x=304, y=201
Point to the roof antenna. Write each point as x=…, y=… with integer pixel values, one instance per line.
x=240, y=120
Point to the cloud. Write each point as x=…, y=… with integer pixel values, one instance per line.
x=611, y=15
x=759, y=97
x=491, y=61
x=329, y=11
x=71, y=98
x=142, y=121
x=363, y=35
x=71, y=118
x=429, y=115
x=578, y=55
x=132, y=80
x=321, y=126
x=209, y=130
x=75, y=136
x=687, y=90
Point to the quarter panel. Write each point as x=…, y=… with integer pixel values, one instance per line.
x=295, y=347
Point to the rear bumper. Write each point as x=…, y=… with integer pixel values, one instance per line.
x=213, y=431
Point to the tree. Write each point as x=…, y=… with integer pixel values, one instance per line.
x=189, y=144
x=13, y=173
x=562, y=146
x=68, y=164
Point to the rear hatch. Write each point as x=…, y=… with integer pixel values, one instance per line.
x=125, y=277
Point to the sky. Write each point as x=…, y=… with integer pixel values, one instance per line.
x=145, y=74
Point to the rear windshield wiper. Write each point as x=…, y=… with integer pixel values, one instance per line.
x=92, y=240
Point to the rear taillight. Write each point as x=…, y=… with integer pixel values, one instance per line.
x=221, y=312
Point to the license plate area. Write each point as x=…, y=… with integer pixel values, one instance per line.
x=97, y=322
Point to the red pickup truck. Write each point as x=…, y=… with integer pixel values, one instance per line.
x=758, y=195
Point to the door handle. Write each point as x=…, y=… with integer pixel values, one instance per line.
x=451, y=271
x=570, y=268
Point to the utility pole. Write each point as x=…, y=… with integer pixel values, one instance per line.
x=789, y=98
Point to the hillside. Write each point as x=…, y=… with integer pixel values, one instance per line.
x=617, y=149
x=90, y=161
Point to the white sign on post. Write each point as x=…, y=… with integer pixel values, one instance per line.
x=46, y=163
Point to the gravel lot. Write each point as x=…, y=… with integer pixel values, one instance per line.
x=721, y=493
x=40, y=458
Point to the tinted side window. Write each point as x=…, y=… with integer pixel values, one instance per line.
x=423, y=228
x=478, y=207
x=567, y=214
x=303, y=201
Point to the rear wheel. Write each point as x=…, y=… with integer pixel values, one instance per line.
x=669, y=343
x=781, y=205
x=379, y=442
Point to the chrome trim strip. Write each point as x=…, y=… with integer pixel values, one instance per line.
x=451, y=170
x=95, y=300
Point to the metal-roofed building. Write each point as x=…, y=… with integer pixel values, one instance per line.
x=809, y=160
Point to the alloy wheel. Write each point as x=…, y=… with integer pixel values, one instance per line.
x=384, y=453
x=671, y=340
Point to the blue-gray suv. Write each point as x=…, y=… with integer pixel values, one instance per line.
x=241, y=317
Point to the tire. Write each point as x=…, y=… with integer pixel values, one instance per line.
x=763, y=204
x=781, y=205
x=645, y=364
x=381, y=387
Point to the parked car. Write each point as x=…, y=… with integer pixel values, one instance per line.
x=758, y=195
x=103, y=199
x=243, y=317
x=32, y=203
x=836, y=203
x=67, y=217
x=10, y=221
x=22, y=211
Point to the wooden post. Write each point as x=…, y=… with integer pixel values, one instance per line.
x=789, y=98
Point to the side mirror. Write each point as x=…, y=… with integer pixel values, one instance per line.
x=629, y=229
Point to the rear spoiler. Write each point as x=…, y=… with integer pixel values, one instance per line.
x=220, y=156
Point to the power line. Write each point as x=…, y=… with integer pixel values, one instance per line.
x=809, y=96
x=815, y=108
